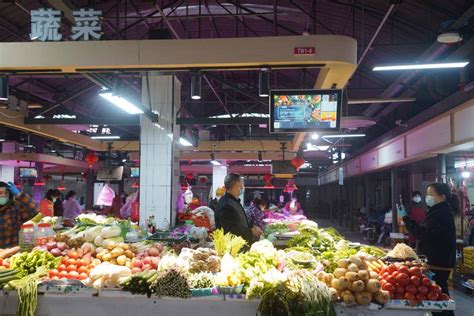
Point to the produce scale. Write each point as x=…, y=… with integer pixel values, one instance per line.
x=94, y=269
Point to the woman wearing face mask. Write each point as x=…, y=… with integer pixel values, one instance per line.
x=255, y=213
x=417, y=213
x=436, y=235
x=46, y=207
x=15, y=209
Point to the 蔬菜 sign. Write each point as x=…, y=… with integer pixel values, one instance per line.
x=45, y=25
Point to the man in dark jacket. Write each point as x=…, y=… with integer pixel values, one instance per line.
x=230, y=215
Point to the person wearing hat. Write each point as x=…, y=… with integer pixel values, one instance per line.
x=15, y=209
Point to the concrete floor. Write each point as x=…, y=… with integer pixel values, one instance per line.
x=464, y=303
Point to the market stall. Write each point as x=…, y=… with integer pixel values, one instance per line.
x=104, y=266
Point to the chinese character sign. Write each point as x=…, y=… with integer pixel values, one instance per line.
x=45, y=25
x=87, y=24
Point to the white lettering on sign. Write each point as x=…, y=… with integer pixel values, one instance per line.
x=87, y=24
x=45, y=25
x=64, y=116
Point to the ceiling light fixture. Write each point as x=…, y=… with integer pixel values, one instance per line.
x=196, y=86
x=380, y=100
x=449, y=37
x=184, y=142
x=121, y=102
x=422, y=66
x=315, y=136
x=343, y=135
x=466, y=174
x=264, y=82
x=106, y=137
x=4, y=93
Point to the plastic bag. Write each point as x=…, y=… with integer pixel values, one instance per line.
x=127, y=207
x=106, y=196
x=135, y=211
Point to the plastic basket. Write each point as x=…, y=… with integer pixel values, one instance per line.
x=201, y=292
x=227, y=290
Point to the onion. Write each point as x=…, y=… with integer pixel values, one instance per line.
x=56, y=252
x=61, y=246
x=153, y=252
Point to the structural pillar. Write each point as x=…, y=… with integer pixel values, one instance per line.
x=218, y=176
x=394, y=195
x=159, y=152
x=442, y=168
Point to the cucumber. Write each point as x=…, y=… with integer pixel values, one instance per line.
x=8, y=279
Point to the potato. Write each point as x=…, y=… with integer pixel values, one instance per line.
x=320, y=275
x=374, y=275
x=356, y=260
x=363, y=298
x=328, y=279
x=364, y=275
x=357, y=286
x=373, y=286
x=340, y=283
x=334, y=294
x=343, y=263
x=348, y=297
x=352, y=276
x=382, y=297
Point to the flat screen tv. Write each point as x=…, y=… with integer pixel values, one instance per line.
x=28, y=172
x=134, y=172
x=305, y=111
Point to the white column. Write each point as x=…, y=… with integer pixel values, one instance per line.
x=218, y=176
x=7, y=173
x=159, y=154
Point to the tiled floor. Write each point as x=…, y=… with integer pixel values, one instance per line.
x=464, y=303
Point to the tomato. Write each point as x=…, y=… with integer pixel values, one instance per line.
x=82, y=269
x=64, y=260
x=63, y=274
x=392, y=268
x=388, y=287
x=410, y=296
x=83, y=276
x=73, y=275
x=71, y=267
x=411, y=289
x=399, y=296
x=404, y=269
x=55, y=277
x=392, y=280
x=382, y=282
x=444, y=297
x=421, y=297
x=399, y=289
x=415, y=280
x=426, y=282
x=403, y=279
x=416, y=271
x=433, y=296
x=385, y=275
x=53, y=273
x=71, y=261
x=435, y=288
x=423, y=290
x=62, y=267
x=73, y=254
x=81, y=262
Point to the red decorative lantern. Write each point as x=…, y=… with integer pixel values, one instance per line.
x=267, y=179
x=189, y=176
x=203, y=180
x=135, y=185
x=297, y=162
x=91, y=159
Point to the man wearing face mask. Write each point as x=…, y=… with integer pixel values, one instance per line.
x=417, y=213
x=230, y=215
x=46, y=207
x=15, y=209
x=436, y=235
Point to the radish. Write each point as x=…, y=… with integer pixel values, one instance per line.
x=51, y=245
x=153, y=252
x=61, y=246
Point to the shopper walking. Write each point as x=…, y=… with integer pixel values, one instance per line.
x=15, y=209
x=230, y=215
x=46, y=207
x=71, y=206
x=255, y=213
x=436, y=235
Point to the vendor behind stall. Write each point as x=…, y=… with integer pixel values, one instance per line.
x=46, y=206
x=293, y=208
x=255, y=213
x=230, y=215
x=436, y=235
x=15, y=209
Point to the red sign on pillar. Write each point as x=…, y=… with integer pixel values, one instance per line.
x=304, y=50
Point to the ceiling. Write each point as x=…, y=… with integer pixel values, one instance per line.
x=409, y=34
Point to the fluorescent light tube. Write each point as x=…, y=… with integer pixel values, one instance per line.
x=422, y=66
x=121, y=102
x=343, y=135
x=466, y=174
x=216, y=163
x=184, y=142
x=105, y=137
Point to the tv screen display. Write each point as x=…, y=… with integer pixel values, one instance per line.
x=134, y=172
x=305, y=111
x=28, y=172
